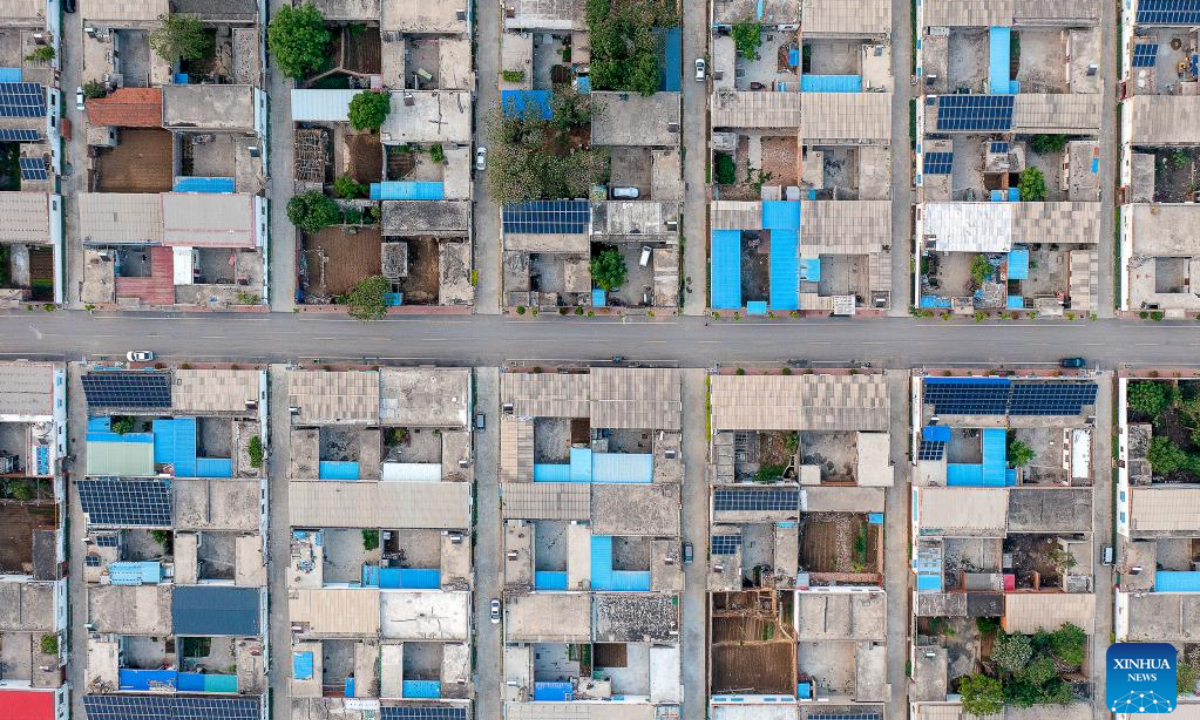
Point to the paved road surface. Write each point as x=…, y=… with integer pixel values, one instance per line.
x=485, y=215
x=695, y=149
x=489, y=544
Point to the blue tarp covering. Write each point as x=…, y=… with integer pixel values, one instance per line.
x=401, y=578
x=781, y=215
x=926, y=583
x=726, y=281
x=937, y=433
x=583, y=84
x=875, y=518
x=408, y=190
x=302, y=665
x=785, y=269
x=194, y=682
x=756, y=307
x=518, y=102
x=999, y=60
x=605, y=578
x=933, y=301
x=804, y=690
x=831, y=83
x=794, y=57
x=1018, y=264
x=129, y=679
x=393, y=299
x=672, y=59
x=114, y=437
x=102, y=423
x=599, y=298
x=549, y=580
x=204, y=185
x=810, y=269
x=181, y=79
x=1015, y=302
x=135, y=573
x=10, y=74
x=422, y=689
x=349, y=687
x=1176, y=581
x=621, y=467
x=553, y=692
x=337, y=470
x=996, y=196
x=1014, y=194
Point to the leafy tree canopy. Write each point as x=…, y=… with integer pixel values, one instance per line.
x=297, y=38
x=1068, y=644
x=981, y=695
x=312, y=211
x=366, y=300
x=181, y=37
x=1019, y=454
x=625, y=48
x=1044, y=144
x=1012, y=652
x=747, y=37
x=1032, y=185
x=1147, y=398
x=608, y=269
x=369, y=109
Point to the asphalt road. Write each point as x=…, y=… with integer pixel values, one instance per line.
x=683, y=341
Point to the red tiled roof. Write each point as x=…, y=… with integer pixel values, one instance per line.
x=127, y=107
x=26, y=705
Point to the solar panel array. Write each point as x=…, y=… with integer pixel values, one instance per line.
x=846, y=716
x=547, y=217
x=15, y=135
x=746, y=499
x=127, y=389
x=106, y=541
x=931, y=450
x=999, y=148
x=133, y=503
x=938, y=163
x=33, y=169
x=726, y=544
x=966, y=397
x=408, y=712
x=1169, y=12
x=1144, y=55
x=975, y=112
x=170, y=707
x=22, y=100
x=92, y=561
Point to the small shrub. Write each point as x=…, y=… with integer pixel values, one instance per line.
x=513, y=76
x=370, y=539
x=1157, y=316
x=122, y=424
x=42, y=53
x=740, y=371
x=786, y=371
x=726, y=170
x=1032, y=185
x=437, y=153
x=747, y=37
x=352, y=216
x=161, y=536
x=1045, y=144
x=20, y=489
x=1019, y=454
x=1186, y=675
x=579, y=311
x=49, y=644
x=255, y=450
x=349, y=188
x=520, y=309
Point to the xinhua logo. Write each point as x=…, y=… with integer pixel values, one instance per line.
x=1140, y=678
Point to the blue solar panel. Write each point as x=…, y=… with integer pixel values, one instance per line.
x=546, y=217
x=125, y=503
x=170, y=707
x=92, y=561
x=975, y=112
x=998, y=396
x=726, y=544
x=410, y=712
x=938, y=163
x=999, y=148
x=1144, y=54
x=1051, y=398
x=106, y=541
x=127, y=389
x=739, y=499
x=1169, y=12
x=12, y=135
x=22, y=100
x=931, y=450
x=33, y=169
x=967, y=397
x=846, y=716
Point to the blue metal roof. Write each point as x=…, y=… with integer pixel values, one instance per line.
x=204, y=184
x=549, y=580
x=519, y=103
x=929, y=583
x=785, y=269
x=547, y=217
x=581, y=464
x=1015, y=302
x=215, y=610
x=831, y=83
x=1177, y=581
x=599, y=297
x=757, y=307
x=671, y=66
x=135, y=573
x=936, y=432
x=995, y=456
x=553, y=692
x=726, y=271
x=302, y=665
x=408, y=190
x=10, y=74
x=620, y=467
x=603, y=575
x=1018, y=264
x=337, y=470
x=781, y=215
x=551, y=472
x=422, y=689
x=1000, y=57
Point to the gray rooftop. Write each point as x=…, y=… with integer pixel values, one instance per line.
x=622, y=118
x=1049, y=510
x=424, y=397
x=223, y=11
x=636, y=617
x=548, y=617
x=1164, y=617
x=130, y=609
x=26, y=606
x=414, y=218
x=209, y=107
x=223, y=504
x=621, y=509
x=841, y=616
x=26, y=389
x=216, y=610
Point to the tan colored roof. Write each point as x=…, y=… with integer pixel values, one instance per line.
x=365, y=504
x=211, y=391
x=547, y=394
x=1029, y=612
x=635, y=398
x=1164, y=509
x=755, y=109
x=584, y=711
x=841, y=616
x=1165, y=119
x=969, y=512
x=334, y=397
x=856, y=227
x=516, y=449
x=120, y=217
x=14, y=11
x=424, y=397
x=983, y=13
x=335, y=611
x=929, y=711
x=549, y=617
x=1163, y=229
x=430, y=16
x=209, y=220
x=24, y=217
x=547, y=501
x=737, y=215
x=838, y=17
x=799, y=402
x=856, y=117
x=133, y=11
x=26, y=389
x=1058, y=113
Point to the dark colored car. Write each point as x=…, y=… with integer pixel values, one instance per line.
x=688, y=553
x=69, y=6
x=1073, y=363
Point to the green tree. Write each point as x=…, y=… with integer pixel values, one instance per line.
x=1039, y=671
x=181, y=37
x=1019, y=454
x=41, y=53
x=122, y=424
x=1055, y=692
x=49, y=644
x=981, y=269
x=349, y=188
x=368, y=110
x=366, y=300
x=1165, y=456
x=161, y=536
x=437, y=153
x=1032, y=185
x=297, y=38
x=20, y=489
x=93, y=89
x=1044, y=144
x=1147, y=397
x=512, y=76
x=570, y=109
x=525, y=163
x=726, y=171
x=608, y=269
x=625, y=46
x=747, y=37
x=370, y=539
x=1012, y=652
x=311, y=211
x=981, y=695
x=255, y=450
x=1068, y=644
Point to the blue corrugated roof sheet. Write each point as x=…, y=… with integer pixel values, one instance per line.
x=133, y=679
x=302, y=665
x=603, y=575
x=672, y=59
x=599, y=298
x=785, y=268
x=1018, y=264
x=517, y=103
x=995, y=456
x=757, y=307
x=964, y=475
x=408, y=190
x=621, y=467
x=422, y=689
x=553, y=692
x=781, y=215
x=10, y=75
x=929, y=583
x=831, y=83
x=1177, y=581
x=581, y=464
x=810, y=269
x=999, y=60
x=549, y=580
x=1015, y=302
x=726, y=271
x=214, y=467
x=933, y=301
x=551, y=472
x=939, y=433
x=337, y=470
x=135, y=573
x=204, y=185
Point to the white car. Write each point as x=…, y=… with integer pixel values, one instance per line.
x=79, y=99
x=139, y=356
x=480, y=158
x=701, y=70
x=495, y=611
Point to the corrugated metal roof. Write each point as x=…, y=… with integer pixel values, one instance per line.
x=207, y=220
x=26, y=388
x=120, y=459
x=322, y=105
x=1074, y=113
x=334, y=397
x=726, y=270
x=853, y=227
x=25, y=217
x=408, y=190
x=1029, y=612
x=860, y=117
x=838, y=17
x=785, y=269
x=756, y=109
x=969, y=512
x=216, y=610
x=120, y=217
x=330, y=503
x=1164, y=509
x=547, y=501
x=799, y=402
